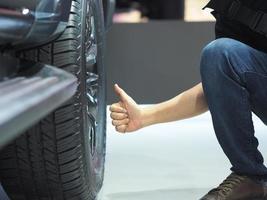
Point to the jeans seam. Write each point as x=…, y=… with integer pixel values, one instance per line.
x=234, y=72
x=253, y=72
x=246, y=102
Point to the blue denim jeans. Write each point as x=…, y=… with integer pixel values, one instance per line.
x=234, y=79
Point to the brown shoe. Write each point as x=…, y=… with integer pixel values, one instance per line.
x=236, y=187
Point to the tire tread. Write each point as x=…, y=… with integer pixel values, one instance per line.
x=47, y=161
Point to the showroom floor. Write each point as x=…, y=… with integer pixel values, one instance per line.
x=178, y=160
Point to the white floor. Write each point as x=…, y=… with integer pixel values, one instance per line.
x=179, y=160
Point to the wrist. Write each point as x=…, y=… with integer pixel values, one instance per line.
x=147, y=116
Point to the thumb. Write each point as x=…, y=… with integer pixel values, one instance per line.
x=121, y=93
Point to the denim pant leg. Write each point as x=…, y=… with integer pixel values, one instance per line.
x=234, y=79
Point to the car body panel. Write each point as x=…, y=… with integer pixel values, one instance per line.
x=32, y=22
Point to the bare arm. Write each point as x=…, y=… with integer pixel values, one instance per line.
x=188, y=104
x=127, y=116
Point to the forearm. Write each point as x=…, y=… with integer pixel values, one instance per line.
x=188, y=104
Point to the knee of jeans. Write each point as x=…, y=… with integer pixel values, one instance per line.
x=214, y=55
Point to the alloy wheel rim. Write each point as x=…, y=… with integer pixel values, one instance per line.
x=92, y=78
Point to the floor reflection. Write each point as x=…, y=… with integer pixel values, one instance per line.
x=183, y=194
x=178, y=160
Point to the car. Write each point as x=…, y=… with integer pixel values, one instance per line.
x=53, y=98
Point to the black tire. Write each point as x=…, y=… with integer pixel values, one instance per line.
x=63, y=156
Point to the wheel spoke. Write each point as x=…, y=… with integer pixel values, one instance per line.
x=92, y=93
x=91, y=56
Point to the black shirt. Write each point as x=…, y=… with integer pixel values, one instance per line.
x=233, y=29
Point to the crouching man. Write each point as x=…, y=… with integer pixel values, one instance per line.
x=233, y=70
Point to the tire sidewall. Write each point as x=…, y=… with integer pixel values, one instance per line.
x=95, y=179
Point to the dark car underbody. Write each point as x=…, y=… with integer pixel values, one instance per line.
x=32, y=21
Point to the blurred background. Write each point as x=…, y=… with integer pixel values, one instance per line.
x=132, y=11
x=159, y=39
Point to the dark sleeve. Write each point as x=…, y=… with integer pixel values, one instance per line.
x=225, y=28
x=220, y=29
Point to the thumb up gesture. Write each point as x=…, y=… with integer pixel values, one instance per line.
x=125, y=114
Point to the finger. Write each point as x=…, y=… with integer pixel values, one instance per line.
x=117, y=108
x=122, y=94
x=118, y=116
x=121, y=128
x=120, y=122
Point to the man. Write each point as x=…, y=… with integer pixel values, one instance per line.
x=233, y=69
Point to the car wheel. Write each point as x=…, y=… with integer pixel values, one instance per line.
x=63, y=156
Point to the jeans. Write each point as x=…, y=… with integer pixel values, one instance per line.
x=234, y=79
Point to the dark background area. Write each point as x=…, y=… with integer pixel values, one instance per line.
x=154, y=9
x=157, y=60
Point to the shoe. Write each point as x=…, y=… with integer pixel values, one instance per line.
x=236, y=187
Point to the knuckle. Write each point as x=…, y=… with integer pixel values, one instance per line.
x=119, y=129
x=118, y=116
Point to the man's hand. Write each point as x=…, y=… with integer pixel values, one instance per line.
x=126, y=114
